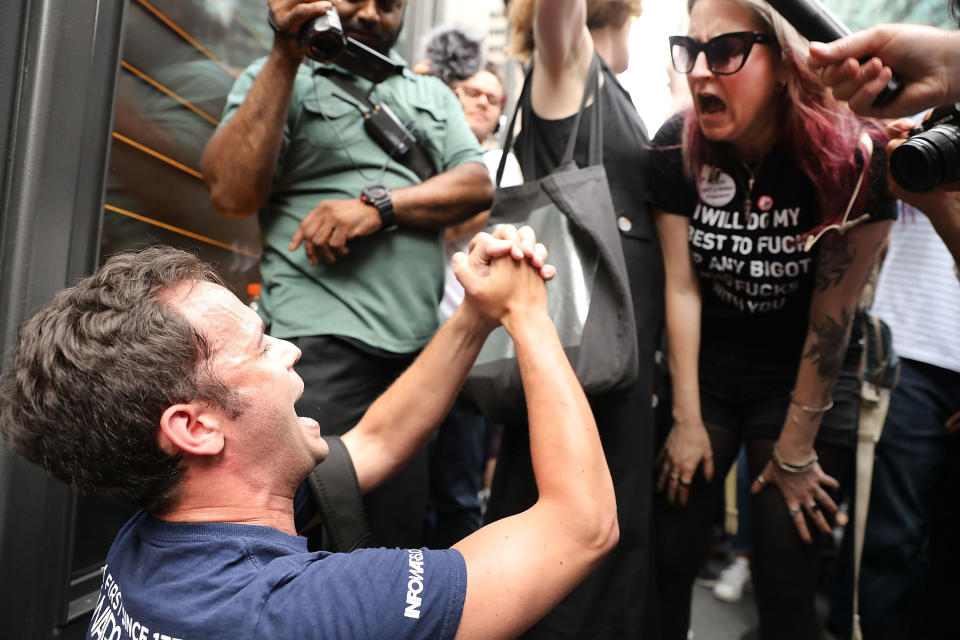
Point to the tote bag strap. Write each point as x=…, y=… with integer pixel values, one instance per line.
x=595, y=151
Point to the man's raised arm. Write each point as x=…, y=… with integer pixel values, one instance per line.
x=518, y=568
x=239, y=161
x=398, y=424
x=562, y=54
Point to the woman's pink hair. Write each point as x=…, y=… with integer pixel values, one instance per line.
x=820, y=133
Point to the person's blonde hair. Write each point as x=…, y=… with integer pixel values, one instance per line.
x=600, y=14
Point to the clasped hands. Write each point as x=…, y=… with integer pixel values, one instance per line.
x=504, y=273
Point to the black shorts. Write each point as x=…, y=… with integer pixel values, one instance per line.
x=749, y=391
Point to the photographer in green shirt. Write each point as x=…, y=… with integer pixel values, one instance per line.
x=353, y=257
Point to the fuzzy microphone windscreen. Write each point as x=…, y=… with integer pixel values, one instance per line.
x=453, y=54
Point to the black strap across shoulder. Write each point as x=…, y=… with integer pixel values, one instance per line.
x=336, y=492
x=415, y=158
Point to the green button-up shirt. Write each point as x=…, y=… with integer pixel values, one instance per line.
x=385, y=292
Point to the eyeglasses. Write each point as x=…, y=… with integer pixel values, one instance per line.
x=726, y=53
x=473, y=93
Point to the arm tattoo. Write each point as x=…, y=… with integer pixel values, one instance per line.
x=832, y=264
x=828, y=350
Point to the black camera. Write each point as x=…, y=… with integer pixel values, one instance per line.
x=932, y=154
x=322, y=39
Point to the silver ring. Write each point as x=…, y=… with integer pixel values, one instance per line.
x=794, y=512
x=761, y=480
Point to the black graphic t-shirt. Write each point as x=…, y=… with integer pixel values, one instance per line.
x=747, y=234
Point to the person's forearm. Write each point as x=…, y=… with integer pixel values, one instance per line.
x=949, y=231
x=469, y=227
x=683, y=310
x=239, y=161
x=823, y=353
x=560, y=32
x=568, y=460
x=842, y=273
x=444, y=199
x=401, y=420
x=683, y=307
x=943, y=211
x=562, y=57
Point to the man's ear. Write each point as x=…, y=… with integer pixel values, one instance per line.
x=191, y=428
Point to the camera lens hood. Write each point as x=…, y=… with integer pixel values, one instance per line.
x=927, y=159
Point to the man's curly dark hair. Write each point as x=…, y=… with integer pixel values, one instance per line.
x=93, y=372
x=453, y=54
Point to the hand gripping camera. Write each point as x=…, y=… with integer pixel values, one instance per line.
x=322, y=39
x=932, y=154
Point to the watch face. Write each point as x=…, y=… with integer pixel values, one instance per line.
x=376, y=192
x=378, y=196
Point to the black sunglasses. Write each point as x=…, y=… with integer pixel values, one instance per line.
x=726, y=53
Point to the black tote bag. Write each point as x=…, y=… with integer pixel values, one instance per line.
x=589, y=301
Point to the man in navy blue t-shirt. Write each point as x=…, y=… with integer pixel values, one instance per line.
x=150, y=382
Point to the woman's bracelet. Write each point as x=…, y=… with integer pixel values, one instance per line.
x=794, y=468
x=804, y=407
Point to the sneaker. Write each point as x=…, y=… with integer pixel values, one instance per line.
x=733, y=580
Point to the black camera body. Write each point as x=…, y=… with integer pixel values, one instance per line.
x=932, y=154
x=323, y=40
x=388, y=131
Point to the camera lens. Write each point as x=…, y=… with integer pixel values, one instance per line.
x=927, y=159
x=322, y=38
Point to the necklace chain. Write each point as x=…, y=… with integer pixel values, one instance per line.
x=748, y=202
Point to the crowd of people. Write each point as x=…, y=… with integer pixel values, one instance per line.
x=750, y=224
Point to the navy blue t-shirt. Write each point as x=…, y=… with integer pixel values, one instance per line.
x=174, y=580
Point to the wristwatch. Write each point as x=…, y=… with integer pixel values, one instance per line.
x=378, y=196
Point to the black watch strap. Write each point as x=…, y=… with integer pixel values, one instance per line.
x=272, y=21
x=379, y=196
